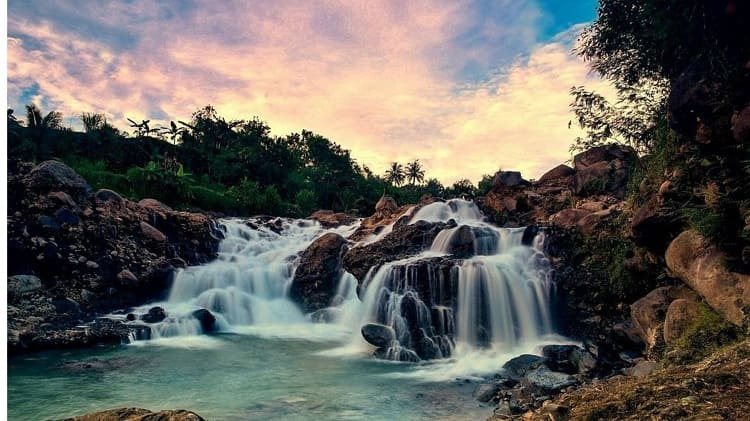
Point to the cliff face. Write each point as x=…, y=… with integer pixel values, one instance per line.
x=74, y=254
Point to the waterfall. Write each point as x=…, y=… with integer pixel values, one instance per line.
x=477, y=288
x=248, y=283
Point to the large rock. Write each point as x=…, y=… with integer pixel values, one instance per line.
x=570, y=359
x=139, y=414
x=152, y=233
x=318, y=273
x=548, y=380
x=206, y=319
x=560, y=171
x=56, y=176
x=648, y=313
x=521, y=365
x=508, y=179
x=329, y=219
x=568, y=218
x=681, y=314
x=378, y=335
x=23, y=284
x=154, y=315
x=653, y=226
x=603, y=170
x=404, y=241
x=701, y=265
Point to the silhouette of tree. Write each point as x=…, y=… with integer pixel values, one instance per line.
x=395, y=174
x=34, y=119
x=414, y=172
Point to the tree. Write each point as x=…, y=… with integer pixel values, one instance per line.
x=395, y=174
x=93, y=121
x=414, y=172
x=34, y=119
x=644, y=48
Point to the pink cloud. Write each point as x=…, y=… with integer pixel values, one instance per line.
x=372, y=77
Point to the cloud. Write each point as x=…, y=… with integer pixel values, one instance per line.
x=464, y=86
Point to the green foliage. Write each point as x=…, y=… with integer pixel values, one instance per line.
x=485, y=184
x=705, y=336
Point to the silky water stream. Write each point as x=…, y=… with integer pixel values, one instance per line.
x=454, y=319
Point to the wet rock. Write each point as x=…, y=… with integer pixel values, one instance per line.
x=96, y=364
x=569, y=359
x=316, y=278
x=702, y=266
x=397, y=353
x=378, y=335
x=522, y=364
x=207, y=320
x=549, y=381
x=486, y=392
x=154, y=315
x=326, y=315
x=23, y=284
x=138, y=414
x=404, y=241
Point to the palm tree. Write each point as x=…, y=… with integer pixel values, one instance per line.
x=34, y=119
x=414, y=172
x=93, y=121
x=395, y=174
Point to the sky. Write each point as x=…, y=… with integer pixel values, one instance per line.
x=467, y=87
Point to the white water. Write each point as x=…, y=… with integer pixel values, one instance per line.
x=471, y=315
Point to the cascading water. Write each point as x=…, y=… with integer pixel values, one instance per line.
x=246, y=285
x=476, y=289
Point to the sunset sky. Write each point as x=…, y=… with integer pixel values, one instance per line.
x=467, y=87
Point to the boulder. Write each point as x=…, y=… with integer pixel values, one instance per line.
x=505, y=179
x=641, y=369
x=681, y=314
x=652, y=226
x=139, y=414
x=549, y=381
x=607, y=153
x=570, y=359
x=603, y=170
x=486, y=392
x=108, y=197
x=329, y=219
x=568, y=218
x=154, y=315
x=62, y=198
x=23, y=284
x=588, y=224
x=522, y=364
x=702, y=266
x=386, y=206
x=560, y=171
x=55, y=176
x=127, y=278
x=206, y=318
x=318, y=273
x=152, y=233
x=155, y=205
x=648, y=313
x=378, y=335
